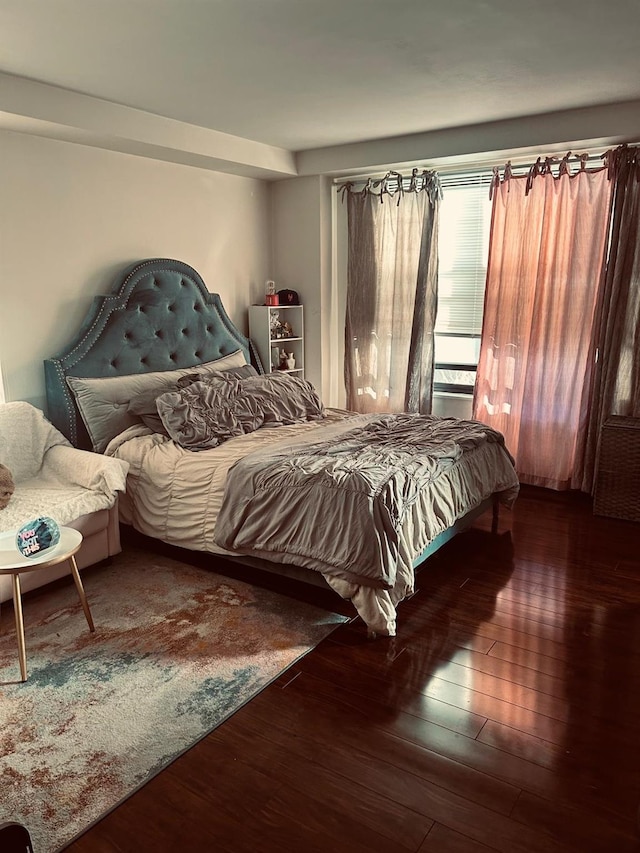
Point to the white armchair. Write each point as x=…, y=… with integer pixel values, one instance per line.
x=74, y=487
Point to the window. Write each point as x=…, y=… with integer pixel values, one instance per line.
x=463, y=245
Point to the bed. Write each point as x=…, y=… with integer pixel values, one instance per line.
x=229, y=460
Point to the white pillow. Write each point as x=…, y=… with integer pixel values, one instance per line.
x=103, y=403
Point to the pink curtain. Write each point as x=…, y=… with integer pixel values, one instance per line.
x=546, y=251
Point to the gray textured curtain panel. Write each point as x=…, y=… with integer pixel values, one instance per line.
x=391, y=293
x=616, y=388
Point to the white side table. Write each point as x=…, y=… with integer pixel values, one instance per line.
x=13, y=563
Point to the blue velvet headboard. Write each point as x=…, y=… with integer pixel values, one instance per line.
x=160, y=316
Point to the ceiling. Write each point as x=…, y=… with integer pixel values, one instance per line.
x=307, y=74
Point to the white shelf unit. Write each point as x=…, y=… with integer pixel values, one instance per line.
x=263, y=331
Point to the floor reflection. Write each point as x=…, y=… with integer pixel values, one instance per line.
x=602, y=668
x=456, y=594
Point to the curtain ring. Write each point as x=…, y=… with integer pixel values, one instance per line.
x=533, y=172
x=564, y=165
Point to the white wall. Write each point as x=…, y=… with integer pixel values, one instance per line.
x=71, y=217
x=302, y=261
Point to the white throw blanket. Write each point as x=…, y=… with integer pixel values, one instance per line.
x=52, y=477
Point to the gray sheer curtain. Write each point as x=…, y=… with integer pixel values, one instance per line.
x=616, y=388
x=391, y=293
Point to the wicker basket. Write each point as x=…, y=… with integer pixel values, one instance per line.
x=617, y=488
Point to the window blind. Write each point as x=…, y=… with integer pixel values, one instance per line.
x=463, y=244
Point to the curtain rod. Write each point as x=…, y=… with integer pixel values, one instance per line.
x=395, y=183
x=471, y=169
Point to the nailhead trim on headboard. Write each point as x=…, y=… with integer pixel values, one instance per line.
x=108, y=339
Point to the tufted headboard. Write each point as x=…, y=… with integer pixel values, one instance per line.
x=160, y=316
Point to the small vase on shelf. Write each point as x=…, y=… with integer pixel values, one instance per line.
x=287, y=360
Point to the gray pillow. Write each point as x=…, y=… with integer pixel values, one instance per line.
x=221, y=406
x=144, y=407
x=208, y=412
x=104, y=403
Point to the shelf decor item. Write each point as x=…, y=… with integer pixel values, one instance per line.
x=271, y=297
x=287, y=360
x=37, y=536
x=288, y=297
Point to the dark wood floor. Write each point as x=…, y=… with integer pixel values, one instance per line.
x=504, y=716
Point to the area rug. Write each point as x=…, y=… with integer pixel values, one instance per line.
x=177, y=649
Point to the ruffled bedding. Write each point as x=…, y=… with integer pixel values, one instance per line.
x=177, y=496
x=207, y=412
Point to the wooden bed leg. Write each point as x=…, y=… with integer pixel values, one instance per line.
x=496, y=515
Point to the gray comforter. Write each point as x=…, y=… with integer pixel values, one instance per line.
x=339, y=505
